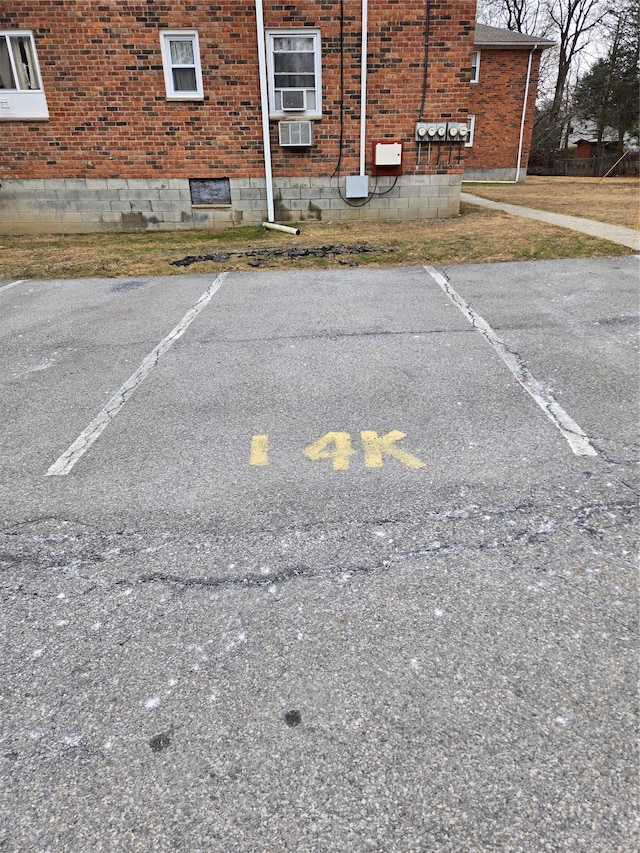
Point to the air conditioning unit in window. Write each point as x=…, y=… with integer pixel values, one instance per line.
x=294, y=134
x=293, y=99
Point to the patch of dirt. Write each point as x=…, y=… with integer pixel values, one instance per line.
x=257, y=257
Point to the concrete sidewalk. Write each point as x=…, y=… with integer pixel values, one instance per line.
x=616, y=233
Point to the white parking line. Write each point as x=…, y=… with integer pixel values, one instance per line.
x=90, y=435
x=13, y=284
x=577, y=438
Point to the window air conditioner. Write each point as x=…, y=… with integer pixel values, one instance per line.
x=293, y=99
x=295, y=133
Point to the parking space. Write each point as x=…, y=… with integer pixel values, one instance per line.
x=301, y=558
x=67, y=346
x=163, y=386
x=577, y=329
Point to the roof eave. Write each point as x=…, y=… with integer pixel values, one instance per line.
x=537, y=44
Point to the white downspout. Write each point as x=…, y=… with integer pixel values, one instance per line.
x=264, y=104
x=524, y=113
x=363, y=87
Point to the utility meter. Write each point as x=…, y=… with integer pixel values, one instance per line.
x=426, y=132
x=456, y=132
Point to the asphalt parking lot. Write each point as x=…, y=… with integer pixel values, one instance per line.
x=335, y=560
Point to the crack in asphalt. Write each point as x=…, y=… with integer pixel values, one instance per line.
x=464, y=513
x=78, y=550
x=542, y=534
x=334, y=336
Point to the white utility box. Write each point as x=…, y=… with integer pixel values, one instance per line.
x=357, y=186
x=388, y=153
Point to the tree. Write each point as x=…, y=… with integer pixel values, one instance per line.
x=520, y=16
x=570, y=23
x=608, y=93
x=574, y=21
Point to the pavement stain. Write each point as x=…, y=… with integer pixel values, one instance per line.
x=293, y=718
x=161, y=741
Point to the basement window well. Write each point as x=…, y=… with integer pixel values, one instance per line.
x=210, y=192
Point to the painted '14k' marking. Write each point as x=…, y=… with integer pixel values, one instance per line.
x=338, y=447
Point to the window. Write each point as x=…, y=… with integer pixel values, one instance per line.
x=21, y=92
x=210, y=192
x=471, y=124
x=293, y=63
x=475, y=66
x=181, y=61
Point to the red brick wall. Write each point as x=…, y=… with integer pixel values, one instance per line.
x=109, y=117
x=496, y=101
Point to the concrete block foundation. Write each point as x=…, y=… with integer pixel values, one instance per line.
x=498, y=176
x=138, y=204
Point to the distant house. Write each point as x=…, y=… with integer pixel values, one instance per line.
x=502, y=100
x=583, y=136
x=587, y=152
x=136, y=114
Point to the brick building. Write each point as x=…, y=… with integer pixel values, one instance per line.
x=502, y=97
x=198, y=114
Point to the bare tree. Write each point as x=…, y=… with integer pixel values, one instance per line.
x=521, y=16
x=571, y=24
x=607, y=93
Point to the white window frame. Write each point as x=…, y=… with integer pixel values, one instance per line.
x=471, y=125
x=275, y=108
x=173, y=94
x=475, y=66
x=21, y=102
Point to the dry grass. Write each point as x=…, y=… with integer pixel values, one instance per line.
x=477, y=235
x=613, y=200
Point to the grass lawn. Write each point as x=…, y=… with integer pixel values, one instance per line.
x=614, y=200
x=477, y=235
